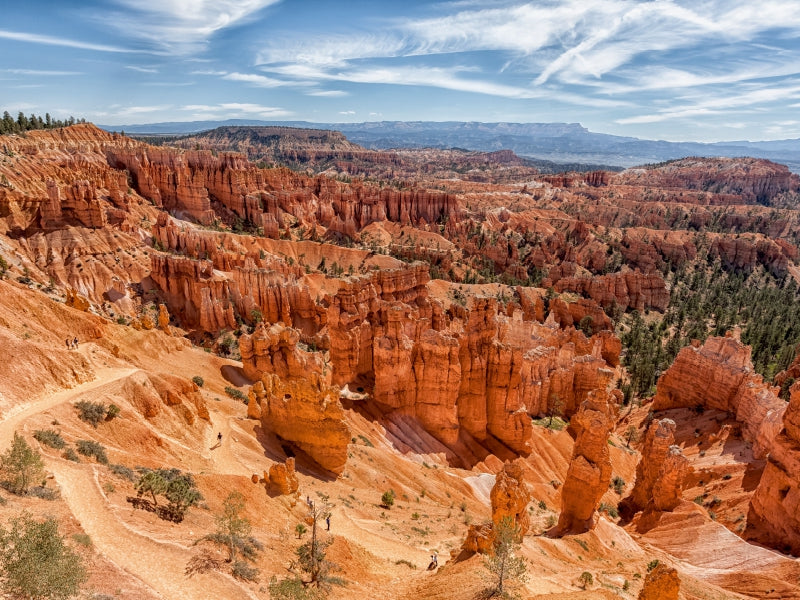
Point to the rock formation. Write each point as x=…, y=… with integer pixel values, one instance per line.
x=282, y=478
x=719, y=375
x=661, y=471
x=510, y=497
x=774, y=515
x=589, y=470
x=662, y=583
x=307, y=413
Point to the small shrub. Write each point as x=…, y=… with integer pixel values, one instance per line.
x=91, y=412
x=542, y=505
x=48, y=437
x=300, y=530
x=198, y=380
x=415, y=516
x=109, y=488
x=618, y=484
x=405, y=562
x=235, y=394
x=586, y=579
x=551, y=521
x=112, y=412
x=82, y=539
x=387, y=499
x=43, y=493
x=653, y=564
x=241, y=570
x=123, y=471
x=366, y=441
x=69, y=454
x=92, y=448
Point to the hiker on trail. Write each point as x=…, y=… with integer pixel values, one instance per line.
x=75, y=342
x=69, y=344
x=219, y=437
x=328, y=522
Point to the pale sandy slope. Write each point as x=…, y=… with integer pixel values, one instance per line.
x=154, y=563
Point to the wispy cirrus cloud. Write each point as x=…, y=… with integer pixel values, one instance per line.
x=142, y=69
x=179, y=27
x=46, y=73
x=49, y=40
x=588, y=52
x=233, y=110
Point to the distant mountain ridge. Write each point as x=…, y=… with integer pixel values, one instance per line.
x=559, y=142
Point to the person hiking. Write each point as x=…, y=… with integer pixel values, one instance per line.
x=69, y=344
x=75, y=342
x=219, y=437
x=328, y=522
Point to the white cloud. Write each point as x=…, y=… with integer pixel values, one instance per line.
x=181, y=26
x=257, y=80
x=49, y=40
x=328, y=93
x=40, y=72
x=347, y=112
x=233, y=110
x=141, y=69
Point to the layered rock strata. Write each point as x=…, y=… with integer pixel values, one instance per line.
x=719, y=375
x=774, y=515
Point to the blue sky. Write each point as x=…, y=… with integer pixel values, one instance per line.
x=705, y=70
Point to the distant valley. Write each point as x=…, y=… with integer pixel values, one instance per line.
x=557, y=142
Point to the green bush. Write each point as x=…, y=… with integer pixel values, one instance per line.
x=91, y=412
x=48, y=437
x=236, y=394
x=36, y=563
x=112, y=412
x=387, y=499
x=653, y=564
x=70, y=454
x=21, y=466
x=92, y=448
x=241, y=570
x=618, y=484
x=123, y=471
x=199, y=381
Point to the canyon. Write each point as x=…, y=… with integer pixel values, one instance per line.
x=453, y=328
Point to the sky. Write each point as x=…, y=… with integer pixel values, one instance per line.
x=678, y=70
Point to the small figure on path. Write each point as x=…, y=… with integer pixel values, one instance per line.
x=75, y=342
x=69, y=344
x=434, y=562
x=219, y=437
x=328, y=522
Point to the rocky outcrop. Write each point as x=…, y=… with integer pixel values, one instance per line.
x=627, y=289
x=282, y=478
x=510, y=497
x=274, y=349
x=659, y=438
x=589, y=470
x=774, y=515
x=753, y=180
x=662, y=470
x=662, y=583
x=719, y=375
x=307, y=413
x=670, y=481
